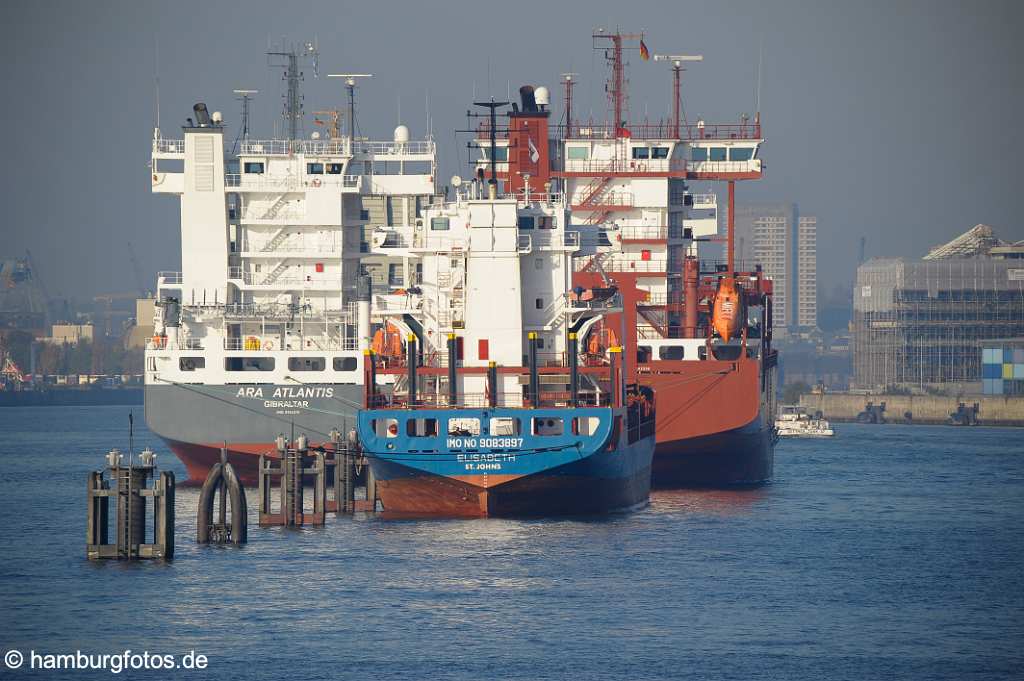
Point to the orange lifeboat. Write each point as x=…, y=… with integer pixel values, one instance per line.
x=387, y=342
x=601, y=339
x=728, y=314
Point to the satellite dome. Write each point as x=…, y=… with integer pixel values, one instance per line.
x=217, y=118
x=401, y=134
x=542, y=96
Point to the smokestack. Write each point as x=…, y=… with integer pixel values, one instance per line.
x=202, y=115
x=529, y=101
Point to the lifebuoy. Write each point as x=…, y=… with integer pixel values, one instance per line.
x=316, y=182
x=269, y=345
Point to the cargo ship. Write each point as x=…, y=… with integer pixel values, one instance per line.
x=718, y=390
x=263, y=332
x=495, y=408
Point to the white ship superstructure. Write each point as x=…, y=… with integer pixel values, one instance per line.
x=263, y=328
x=272, y=241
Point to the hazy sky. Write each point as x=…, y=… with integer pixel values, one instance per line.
x=892, y=120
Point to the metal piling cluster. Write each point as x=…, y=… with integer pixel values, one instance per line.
x=128, y=485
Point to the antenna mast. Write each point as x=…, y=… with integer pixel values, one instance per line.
x=616, y=86
x=350, y=86
x=569, y=84
x=245, y=96
x=677, y=70
x=293, y=99
x=493, y=106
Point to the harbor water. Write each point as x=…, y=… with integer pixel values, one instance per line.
x=886, y=552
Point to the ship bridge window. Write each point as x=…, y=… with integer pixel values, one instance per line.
x=716, y=153
x=545, y=222
x=699, y=154
x=741, y=153
x=500, y=154
x=306, y=364
x=659, y=152
x=671, y=352
x=345, y=363
x=335, y=168
x=464, y=427
x=254, y=167
x=421, y=427
x=191, y=363
x=505, y=426
x=546, y=425
x=578, y=153
x=314, y=168
x=439, y=224
x=641, y=152
x=248, y=363
x=525, y=222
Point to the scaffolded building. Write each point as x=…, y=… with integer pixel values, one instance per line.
x=922, y=323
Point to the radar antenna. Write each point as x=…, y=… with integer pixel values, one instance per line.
x=350, y=86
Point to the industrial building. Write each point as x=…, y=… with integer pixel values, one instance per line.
x=923, y=323
x=784, y=243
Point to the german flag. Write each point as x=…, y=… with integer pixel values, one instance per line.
x=645, y=54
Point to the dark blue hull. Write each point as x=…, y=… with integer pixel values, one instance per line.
x=607, y=469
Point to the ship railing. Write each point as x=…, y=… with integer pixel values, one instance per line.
x=617, y=199
x=615, y=264
x=722, y=266
x=262, y=182
x=277, y=147
x=296, y=282
x=640, y=232
x=285, y=312
x=705, y=199
x=168, y=278
x=168, y=146
x=544, y=238
x=597, y=167
x=723, y=167
x=524, y=243
x=390, y=303
x=412, y=148
x=255, y=342
x=662, y=130
x=514, y=400
x=246, y=248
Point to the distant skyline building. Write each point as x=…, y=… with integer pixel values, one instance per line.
x=784, y=243
x=931, y=322
x=806, y=309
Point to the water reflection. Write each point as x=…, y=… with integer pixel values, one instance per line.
x=716, y=502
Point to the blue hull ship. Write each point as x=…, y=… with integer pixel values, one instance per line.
x=509, y=461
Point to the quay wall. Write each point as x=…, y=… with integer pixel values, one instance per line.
x=924, y=409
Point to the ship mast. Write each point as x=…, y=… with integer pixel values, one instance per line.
x=616, y=86
x=289, y=60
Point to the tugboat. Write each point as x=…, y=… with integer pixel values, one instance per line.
x=495, y=409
